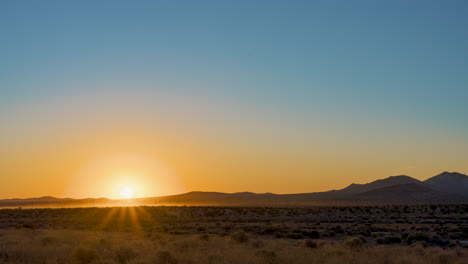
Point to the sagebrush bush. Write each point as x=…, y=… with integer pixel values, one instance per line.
x=85, y=255
x=125, y=254
x=353, y=242
x=418, y=236
x=295, y=235
x=4, y=255
x=215, y=259
x=45, y=241
x=310, y=243
x=165, y=257
x=240, y=237
x=392, y=239
x=268, y=256
x=258, y=244
x=204, y=237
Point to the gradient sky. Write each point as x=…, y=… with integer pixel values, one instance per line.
x=262, y=96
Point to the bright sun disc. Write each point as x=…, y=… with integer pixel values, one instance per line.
x=127, y=192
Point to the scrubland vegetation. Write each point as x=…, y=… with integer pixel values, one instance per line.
x=362, y=234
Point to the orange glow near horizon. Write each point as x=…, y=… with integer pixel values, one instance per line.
x=124, y=176
x=171, y=146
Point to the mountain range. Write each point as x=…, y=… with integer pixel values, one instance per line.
x=447, y=187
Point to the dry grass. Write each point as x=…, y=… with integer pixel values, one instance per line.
x=80, y=247
x=183, y=235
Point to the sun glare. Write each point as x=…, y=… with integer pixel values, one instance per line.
x=127, y=192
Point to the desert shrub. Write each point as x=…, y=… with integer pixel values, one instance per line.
x=362, y=238
x=457, y=235
x=379, y=240
x=45, y=241
x=404, y=235
x=310, y=243
x=362, y=230
x=312, y=234
x=215, y=259
x=240, y=237
x=165, y=257
x=204, y=237
x=417, y=237
x=84, y=255
x=419, y=244
x=392, y=240
x=268, y=256
x=444, y=258
x=3, y=253
x=280, y=235
x=258, y=244
x=294, y=235
x=268, y=230
x=353, y=242
x=465, y=230
x=27, y=226
x=125, y=254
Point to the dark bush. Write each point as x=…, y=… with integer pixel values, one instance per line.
x=215, y=259
x=48, y=241
x=311, y=234
x=269, y=230
x=27, y=226
x=240, y=237
x=353, y=242
x=295, y=236
x=392, y=240
x=379, y=240
x=437, y=242
x=310, y=243
x=4, y=256
x=125, y=254
x=363, y=239
x=165, y=257
x=457, y=235
x=417, y=237
x=204, y=237
x=84, y=255
x=267, y=255
x=258, y=244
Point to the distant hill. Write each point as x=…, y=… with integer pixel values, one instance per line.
x=390, y=181
x=409, y=193
x=37, y=199
x=447, y=187
x=49, y=201
x=449, y=182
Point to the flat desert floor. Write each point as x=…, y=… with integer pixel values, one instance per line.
x=328, y=234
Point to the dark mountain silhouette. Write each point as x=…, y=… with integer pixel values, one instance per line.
x=409, y=193
x=449, y=182
x=387, y=182
x=446, y=187
x=49, y=201
x=37, y=199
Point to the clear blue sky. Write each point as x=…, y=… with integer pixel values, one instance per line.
x=409, y=57
x=377, y=70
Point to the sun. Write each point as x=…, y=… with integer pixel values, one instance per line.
x=127, y=192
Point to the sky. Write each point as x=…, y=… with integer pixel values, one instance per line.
x=262, y=96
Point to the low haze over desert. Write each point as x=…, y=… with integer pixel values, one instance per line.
x=185, y=132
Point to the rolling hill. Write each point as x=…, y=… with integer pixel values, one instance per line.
x=447, y=187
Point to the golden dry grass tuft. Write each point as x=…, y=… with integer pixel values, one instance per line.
x=87, y=247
